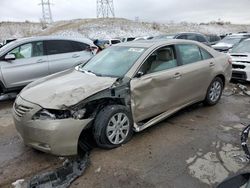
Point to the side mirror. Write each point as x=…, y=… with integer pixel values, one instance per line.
x=139, y=74
x=10, y=57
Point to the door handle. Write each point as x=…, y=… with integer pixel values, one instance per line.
x=75, y=56
x=41, y=61
x=177, y=75
x=211, y=64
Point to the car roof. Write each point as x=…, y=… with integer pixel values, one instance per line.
x=30, y=39
x=154, y=42
x=21, y=41
x=196, y=33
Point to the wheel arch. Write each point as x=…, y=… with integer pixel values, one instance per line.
x=223, y=78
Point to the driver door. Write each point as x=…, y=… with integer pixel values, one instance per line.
x=154, y=92
x=29, y=65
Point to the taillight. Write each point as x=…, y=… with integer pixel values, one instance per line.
x=230, y=61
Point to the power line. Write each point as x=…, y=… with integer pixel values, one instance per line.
x=46, y=11
x=105, y=9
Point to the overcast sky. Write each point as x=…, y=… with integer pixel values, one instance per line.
x=236, y=11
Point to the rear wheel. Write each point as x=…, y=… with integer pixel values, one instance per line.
x=214, y=92
x=113, y=126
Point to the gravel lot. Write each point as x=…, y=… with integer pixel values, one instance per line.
x=197, y=147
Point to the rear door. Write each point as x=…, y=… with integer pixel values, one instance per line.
x=29, y=65
x=65, y=54
x=196, y=72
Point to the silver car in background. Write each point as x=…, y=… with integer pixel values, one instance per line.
x=26, y=60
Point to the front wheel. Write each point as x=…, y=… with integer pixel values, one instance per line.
x=113, y=126
x=214, y=92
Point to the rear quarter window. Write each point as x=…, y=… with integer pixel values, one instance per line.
x=205, y=54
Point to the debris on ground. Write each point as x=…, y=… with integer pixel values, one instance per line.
x=243, y=89
x=63, y=176
x=98, y=170
x=18, y=183
x=244, y=138
x=237, y=89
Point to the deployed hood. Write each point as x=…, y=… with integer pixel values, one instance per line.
x=65, y=89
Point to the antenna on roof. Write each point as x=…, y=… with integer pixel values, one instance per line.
x=105, y=9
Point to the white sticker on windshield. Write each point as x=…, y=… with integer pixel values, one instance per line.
x=138, y=50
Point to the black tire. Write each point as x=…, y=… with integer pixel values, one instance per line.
x=209, y=100
x=103, y=120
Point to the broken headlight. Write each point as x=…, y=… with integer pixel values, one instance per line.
x=45, y=114
x=79, y=114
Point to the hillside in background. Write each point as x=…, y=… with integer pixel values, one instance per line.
x=110, y=28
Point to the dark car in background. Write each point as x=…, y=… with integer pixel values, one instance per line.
x=213, y=39
x=230, y=41
x=187, y=36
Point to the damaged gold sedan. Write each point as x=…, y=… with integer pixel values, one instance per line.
x=125, y=88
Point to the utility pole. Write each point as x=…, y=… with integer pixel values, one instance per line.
x=105, y=9
x=46, y=12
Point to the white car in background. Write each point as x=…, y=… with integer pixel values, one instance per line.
x=143, y=38
x=110, y=42
x=230, y=41
x=241, y=61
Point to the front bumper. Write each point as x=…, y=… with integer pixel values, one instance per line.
x=241, y=71
x=58, y=137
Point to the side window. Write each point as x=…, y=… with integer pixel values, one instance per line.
x=201, y=38
x=38, y=49
x=58, y=47
x=79, y=46
x=205, y=54
x=191, y=37
x=23, y=51
x=162, y=59
x=115, y=41
x=130, y=39
x=182, y=37
x=189, y=53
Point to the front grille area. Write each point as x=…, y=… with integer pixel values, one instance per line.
x=239, y=75
x=235, y=66
x=21, y=110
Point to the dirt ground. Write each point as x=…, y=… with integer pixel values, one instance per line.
x=197, y=147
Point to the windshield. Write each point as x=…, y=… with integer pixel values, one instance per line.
x=231, y=40
x=243, y=47
x=113, y=62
